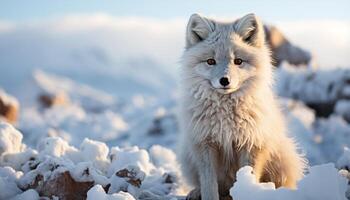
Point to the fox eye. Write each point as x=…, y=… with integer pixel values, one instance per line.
x=211, y=61
x=238, y=61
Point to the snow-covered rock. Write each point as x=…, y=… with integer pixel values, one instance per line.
x=122, y=157
x=10, y=139
x=56, y=162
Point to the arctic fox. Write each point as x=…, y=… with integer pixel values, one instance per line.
x=229, y=115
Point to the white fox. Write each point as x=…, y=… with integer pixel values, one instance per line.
x=229, y=115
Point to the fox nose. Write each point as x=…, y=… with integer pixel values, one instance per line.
x=224, y=81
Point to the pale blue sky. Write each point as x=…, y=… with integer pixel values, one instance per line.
x=19, y=10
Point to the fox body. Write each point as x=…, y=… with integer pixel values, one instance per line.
x=229, y=115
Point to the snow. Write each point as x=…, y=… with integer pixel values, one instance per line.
x=97, y=192
x=8, y=182
x=342, y=108
x=27, y=195
x=130, y=156
x=86, y=96
x=8, y=99
x=323, y=182
x=163, y=157
x=80, y=175
x=129, y=182
x=10, y=139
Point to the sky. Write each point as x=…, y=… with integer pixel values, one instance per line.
x=19, y=10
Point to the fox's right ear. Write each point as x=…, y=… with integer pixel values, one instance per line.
x=198, y=29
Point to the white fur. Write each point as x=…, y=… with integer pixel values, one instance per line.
x=241, y=124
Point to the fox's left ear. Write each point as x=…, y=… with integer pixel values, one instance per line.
x=251, y=29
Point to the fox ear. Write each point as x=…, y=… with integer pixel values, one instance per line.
x=198, y=29
x=251, y=29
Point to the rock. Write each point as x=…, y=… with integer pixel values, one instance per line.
x=49, y=100
x=169, y=178
x=156, y=128
x=62, y=186
x=128, y=180
x=132, y=175
x=283, y=50
x=9, y=107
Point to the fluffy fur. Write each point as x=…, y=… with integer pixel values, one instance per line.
x=225, y=128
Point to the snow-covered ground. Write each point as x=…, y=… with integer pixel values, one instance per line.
x=117, y=126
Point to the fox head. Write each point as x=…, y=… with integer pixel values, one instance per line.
x=227, y=56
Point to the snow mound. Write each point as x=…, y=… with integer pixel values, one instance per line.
x=323, y=182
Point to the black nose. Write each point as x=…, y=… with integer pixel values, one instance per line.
x=224, y=81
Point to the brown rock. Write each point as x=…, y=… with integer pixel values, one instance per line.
x=62, y=186
x=49, y=100
x=130, y=176
x=8, y=108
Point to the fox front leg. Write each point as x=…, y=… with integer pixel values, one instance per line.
x=207, y=175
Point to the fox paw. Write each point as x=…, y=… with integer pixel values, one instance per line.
x=195, y=194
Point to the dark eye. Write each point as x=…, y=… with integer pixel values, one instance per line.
x=211, y=61
x=238, y=61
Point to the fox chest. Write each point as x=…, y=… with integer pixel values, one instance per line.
x=219, y=122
